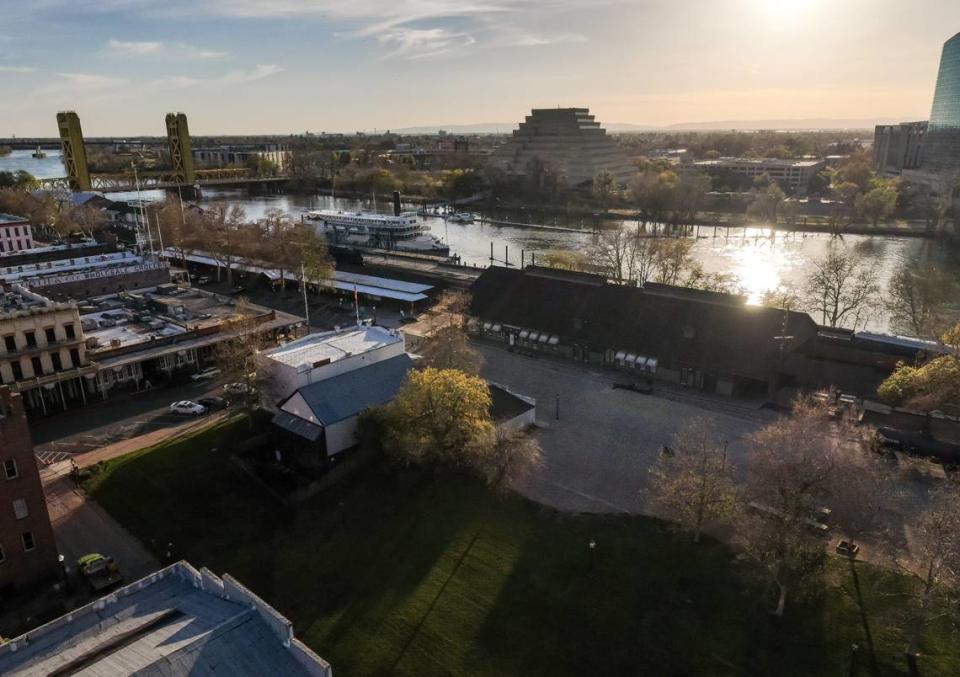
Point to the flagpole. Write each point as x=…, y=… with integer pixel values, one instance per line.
x=356, y=302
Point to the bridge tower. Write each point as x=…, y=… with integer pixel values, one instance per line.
x=181, y=153
x=74, y=152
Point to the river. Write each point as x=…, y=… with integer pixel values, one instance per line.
x=760, y=262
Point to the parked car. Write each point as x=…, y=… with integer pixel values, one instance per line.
x=203, y=279
x=100, y=571
x=212, y=402
x=208, y=373
x=237, y=389
x=848, y=549
x=188, y=408
x=644, y=388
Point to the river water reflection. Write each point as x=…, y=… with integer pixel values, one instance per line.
x=759, y=260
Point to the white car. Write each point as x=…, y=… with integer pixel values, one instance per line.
x=188, y=408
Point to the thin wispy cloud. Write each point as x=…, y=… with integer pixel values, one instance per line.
x=237, y=77
x=125, y=48
x=416, y=29
x=16, y=69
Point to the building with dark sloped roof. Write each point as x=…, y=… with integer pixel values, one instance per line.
x=325, y=413
x=714, y=342
x=176, y=622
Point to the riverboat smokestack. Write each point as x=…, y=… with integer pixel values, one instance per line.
x=396, y=203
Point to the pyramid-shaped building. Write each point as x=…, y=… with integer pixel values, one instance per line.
x=569, y=141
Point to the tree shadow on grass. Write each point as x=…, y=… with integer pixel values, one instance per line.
x=644, y=600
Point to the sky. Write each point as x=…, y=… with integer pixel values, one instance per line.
x=280, y=66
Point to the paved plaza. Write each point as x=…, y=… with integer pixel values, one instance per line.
x=598, y=455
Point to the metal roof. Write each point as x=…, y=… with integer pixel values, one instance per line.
x=298, y=426
x=175, y=622
x=340, y=397
x=332, y=346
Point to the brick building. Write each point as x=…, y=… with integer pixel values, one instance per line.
x=15, y=234
x=28, y=553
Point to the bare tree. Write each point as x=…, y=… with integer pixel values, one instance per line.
x=917, y=299
x=516, y=455
x=236, y=355
x=447, y=345
x=180, y=228
x=790, y=466
x=936, y=540
x=226, y=236
x=670, y=260
x=694, y=480
x=841, y=288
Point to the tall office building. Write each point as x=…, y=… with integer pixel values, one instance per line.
x=567, y=141
x=942, y=143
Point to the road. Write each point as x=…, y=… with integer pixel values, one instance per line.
x=83, y=429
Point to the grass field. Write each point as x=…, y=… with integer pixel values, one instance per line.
x=416, y=574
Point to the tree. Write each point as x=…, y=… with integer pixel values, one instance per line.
x=38, y=210
x=654, y=194
x=226, y=236
x=931, y=386
x=278, y=247
x=442, y=417
x=314, y=255
x=694, y=482
x=614, y=252
x=790, y=470
x=604, y=185
x=768, y=201
x=516, y=455
x=840, y=288
x=84, y=219
x=236, y=355
x=877, y=203
x=447, y=345
x=691, y=190
x=917, y=298
x=936, y=549
x=18, y=179
x=670, y=259
x=180, y=228
x=564, y=259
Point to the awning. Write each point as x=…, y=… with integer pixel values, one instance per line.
x=298, y=426
x=496, y=328
x=524, y=334
x=652, y=365
x=487, y=326
x=621, y=355
x=544, y=338
x=554, y=340
x=631, y=359
x=641, y=362
x=534, y=335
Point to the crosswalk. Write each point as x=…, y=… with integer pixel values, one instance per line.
x=48, y=457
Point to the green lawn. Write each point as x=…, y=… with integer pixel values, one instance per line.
x=416, y=574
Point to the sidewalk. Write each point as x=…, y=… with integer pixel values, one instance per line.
x=125, y=447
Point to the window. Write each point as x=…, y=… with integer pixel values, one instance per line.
x=28, y=542
x=17, y=370
x=68, y=329
x=57, y=364
x=51, y=335
x=31, y=339
x=37, y=366
x=10, y=469
x=74, y=358
x=11, y=343
x=20, y=509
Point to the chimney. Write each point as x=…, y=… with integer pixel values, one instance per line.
x=396, y=203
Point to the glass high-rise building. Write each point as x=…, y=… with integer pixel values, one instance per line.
x=942, y=142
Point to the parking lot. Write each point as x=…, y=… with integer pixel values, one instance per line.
x=599, y=453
